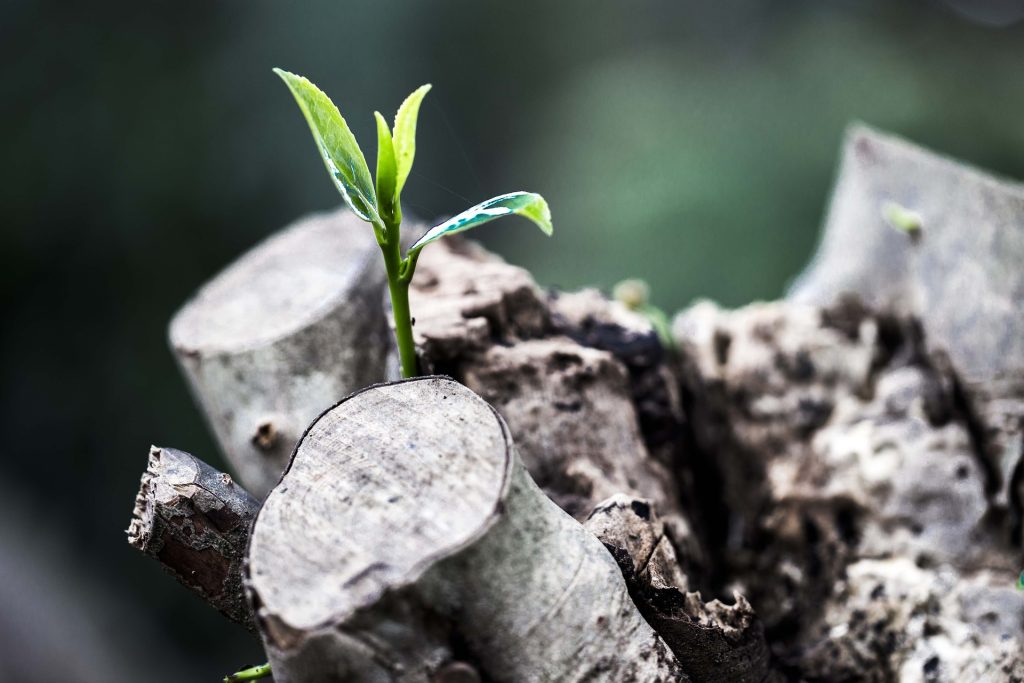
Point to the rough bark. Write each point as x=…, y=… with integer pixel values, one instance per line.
x=286, y=330
x=195, y=521
x=962, y=279
x=845, y=457
x=583, y=383
x=406, y=533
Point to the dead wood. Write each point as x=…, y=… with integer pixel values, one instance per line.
x=288, y=329
x=195, y=521
x=584, y=384
x=406, y=531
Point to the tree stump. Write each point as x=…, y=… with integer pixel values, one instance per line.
x=283, y=332
x=406, y=534
x=848, y=463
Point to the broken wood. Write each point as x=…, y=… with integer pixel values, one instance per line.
x=962, y=278
x=195, y=521
x=849, y=466
x=714, y=642
x=840, y=444
x=285, y=331
x=406, y=534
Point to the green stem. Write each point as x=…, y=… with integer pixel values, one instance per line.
x=398, y=286
x=253, y=673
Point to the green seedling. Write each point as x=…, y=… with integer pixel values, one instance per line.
x=635, y=295
x=379, y=203
x=1020, y=581
x=903, y=219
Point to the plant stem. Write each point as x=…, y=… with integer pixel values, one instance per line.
x=398, y=286
x=253, y=673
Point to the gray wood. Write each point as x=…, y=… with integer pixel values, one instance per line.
x=963, y=277
x=284, y=332
x=406, y=524
x=861, y=528
x=195, y=521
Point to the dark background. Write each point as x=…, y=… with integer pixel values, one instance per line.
x=145, y=145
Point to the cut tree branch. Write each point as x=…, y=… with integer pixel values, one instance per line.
x=406, y=530
x=286, y=330
x=195, y=521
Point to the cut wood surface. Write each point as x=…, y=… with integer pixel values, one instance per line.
x=406, y=534
x=195, y=521
x=282, y=333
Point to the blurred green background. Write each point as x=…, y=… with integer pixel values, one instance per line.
x=145, y=145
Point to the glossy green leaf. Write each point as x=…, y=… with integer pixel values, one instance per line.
x=405, y=134
x=387, y=173
x=526, y=204
x=337, y=145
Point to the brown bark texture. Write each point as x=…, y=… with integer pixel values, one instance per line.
x=195, y=521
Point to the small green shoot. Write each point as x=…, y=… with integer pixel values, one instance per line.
x=1020, y=581
x=379, y=202
x=903, y=219
x=252, y=673
x=635, y=295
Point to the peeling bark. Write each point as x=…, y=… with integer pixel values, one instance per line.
x=195, y=521
x=713, y=642
x=282, y=333
x=406, y=524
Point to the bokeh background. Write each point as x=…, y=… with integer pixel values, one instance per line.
x=145, y=145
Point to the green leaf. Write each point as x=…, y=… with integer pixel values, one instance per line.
x=405, y=134
x=337, y=145
x=527, y=204
x=387, y=172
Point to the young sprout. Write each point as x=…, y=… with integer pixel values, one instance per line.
x=903, y=219
x=1020, y=581
x=379, y=203
x=635, y=295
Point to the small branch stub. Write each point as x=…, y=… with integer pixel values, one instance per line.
x=195, y=521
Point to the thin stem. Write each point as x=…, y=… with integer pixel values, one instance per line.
x=399, y=276
x=253, y=673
